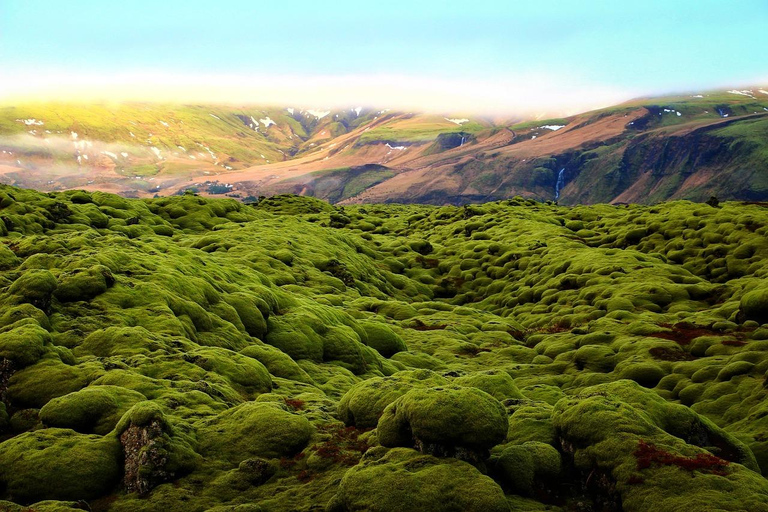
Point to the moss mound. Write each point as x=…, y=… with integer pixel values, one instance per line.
x=58, y=464
x=444, y=419
x=92, y=410
x=254, y=430
x=403, y=479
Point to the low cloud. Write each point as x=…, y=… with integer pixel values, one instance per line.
x=522, y=95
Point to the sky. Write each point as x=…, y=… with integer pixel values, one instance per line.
x=458, y=56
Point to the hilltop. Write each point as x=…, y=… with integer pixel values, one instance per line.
x=189, y=353
x=688, y=146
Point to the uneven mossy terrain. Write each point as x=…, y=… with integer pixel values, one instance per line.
x=191, y=354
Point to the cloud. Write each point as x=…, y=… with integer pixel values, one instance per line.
x=528, y=94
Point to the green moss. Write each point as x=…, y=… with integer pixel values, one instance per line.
x=521, y=467
x=383, y=339
x=59, y=464
x=364, y=403
x=84, y=284
x=405, y=480
x=95, y=409
x=24, y=345
x=254, y=430
x=35, y=287
x=448, y=416
x=496, y=383
x=754, y=305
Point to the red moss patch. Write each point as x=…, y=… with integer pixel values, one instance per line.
x=418, y=325
x=683, y=333
x=733, y=343
x=648, y=454
x=670, y=354
x=344, y=446
x=294, y=403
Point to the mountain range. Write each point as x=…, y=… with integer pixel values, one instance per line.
x=689, y=146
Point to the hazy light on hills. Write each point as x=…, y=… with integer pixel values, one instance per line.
x=526, y=95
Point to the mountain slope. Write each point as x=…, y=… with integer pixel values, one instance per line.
x=677, y=147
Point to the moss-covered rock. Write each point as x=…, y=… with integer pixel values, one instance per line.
x=524, y=467
x=153, y=451
x=84, y=284
x=58, y=464
x=35, y=287
x=254, y=430
x=24, y=345
x=754, y=305
x=95, y=409
x=383, y=339
x=404, y=480
x=365, y=402
x=496, y=383
x=444, y=420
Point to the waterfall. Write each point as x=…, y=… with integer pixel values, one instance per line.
x=462, y=141
x=560, y=183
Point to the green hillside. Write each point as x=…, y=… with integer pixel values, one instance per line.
x=194, y=354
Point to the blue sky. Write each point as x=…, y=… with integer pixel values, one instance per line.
x=593, y=49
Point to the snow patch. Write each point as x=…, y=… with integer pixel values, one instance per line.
x=455, y=121
x=182, y=148
x=396, y=148
x=745, y=92
x=762, y=91
x=215, y=117
x=553, y=127
x=164, y=124
x=319, y=113
x=109, y=154
x=156, y=152
x=124, y=154
x=357, y=110
x=290, y=111
x=697, y=96
x=267, y=122
x=74, y=134
x=132, y=135
x=30, y=122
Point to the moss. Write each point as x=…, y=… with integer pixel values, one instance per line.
x=522, y=467
x=84, y=284
x=4, y=419
x=49, y=378
x=24, y=345
x=58, y=464
x=35, y=287
x=364, y=403
x=95, y=409
x=644, y=373
x=449, y=417
x=416, y=359
x=383, y=339
x=754, y=305
x=250, y=314
x=277, y=363
x=8, y=259
x=254, y=430
x=496, y=383
x=405, y=480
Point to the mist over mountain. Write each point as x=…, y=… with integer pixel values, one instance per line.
x=689, y=146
